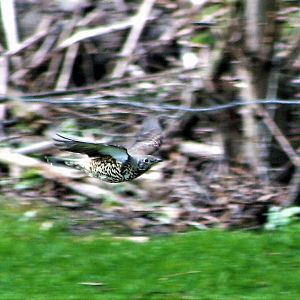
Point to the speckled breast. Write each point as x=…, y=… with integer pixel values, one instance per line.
x=108, y=169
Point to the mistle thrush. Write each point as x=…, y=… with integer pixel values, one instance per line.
x=112, y=163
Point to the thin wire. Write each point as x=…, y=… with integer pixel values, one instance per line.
x=94, y=100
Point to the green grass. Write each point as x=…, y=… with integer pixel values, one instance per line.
x=50, y=264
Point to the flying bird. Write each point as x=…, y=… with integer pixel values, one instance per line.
x=113, y=163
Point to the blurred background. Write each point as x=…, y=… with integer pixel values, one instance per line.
x=96, y=69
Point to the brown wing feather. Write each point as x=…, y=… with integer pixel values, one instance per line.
x=149, y=138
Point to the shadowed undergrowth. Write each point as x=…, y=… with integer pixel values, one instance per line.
x=38, y=262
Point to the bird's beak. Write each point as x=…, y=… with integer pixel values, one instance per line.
x=159, y=160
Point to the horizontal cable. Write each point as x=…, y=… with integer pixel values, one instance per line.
x=95, y=100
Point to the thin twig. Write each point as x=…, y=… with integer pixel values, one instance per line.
x=35, y=148
x=180, y=274
x=56, y=60
x=114, y=82
x=279, y=136
x=38, y=58
x=97, y=31
x=42, y=30
x=66, y=71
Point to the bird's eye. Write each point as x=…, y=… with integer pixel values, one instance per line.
x=146, y=160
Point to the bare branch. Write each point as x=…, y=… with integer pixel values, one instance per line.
x=42, y=30
x=4, y=74
x=134, y=35
x=62, y=175
x=279, y=136
x=66, y=71
x=8, y=16
x=97, y=31
x=35, y=148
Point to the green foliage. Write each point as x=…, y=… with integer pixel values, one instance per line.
x=39, y=261
x=210, y=9
x=69, y=125
x=30, y=179
x=289, y=29
x=204, y=38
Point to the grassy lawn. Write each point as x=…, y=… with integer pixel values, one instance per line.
x=52, y=264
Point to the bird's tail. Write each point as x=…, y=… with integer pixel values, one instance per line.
x=70, y=162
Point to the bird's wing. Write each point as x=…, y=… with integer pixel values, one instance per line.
x=149, y=139
x=92, y=149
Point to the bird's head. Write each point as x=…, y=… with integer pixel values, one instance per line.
x=145, y=162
